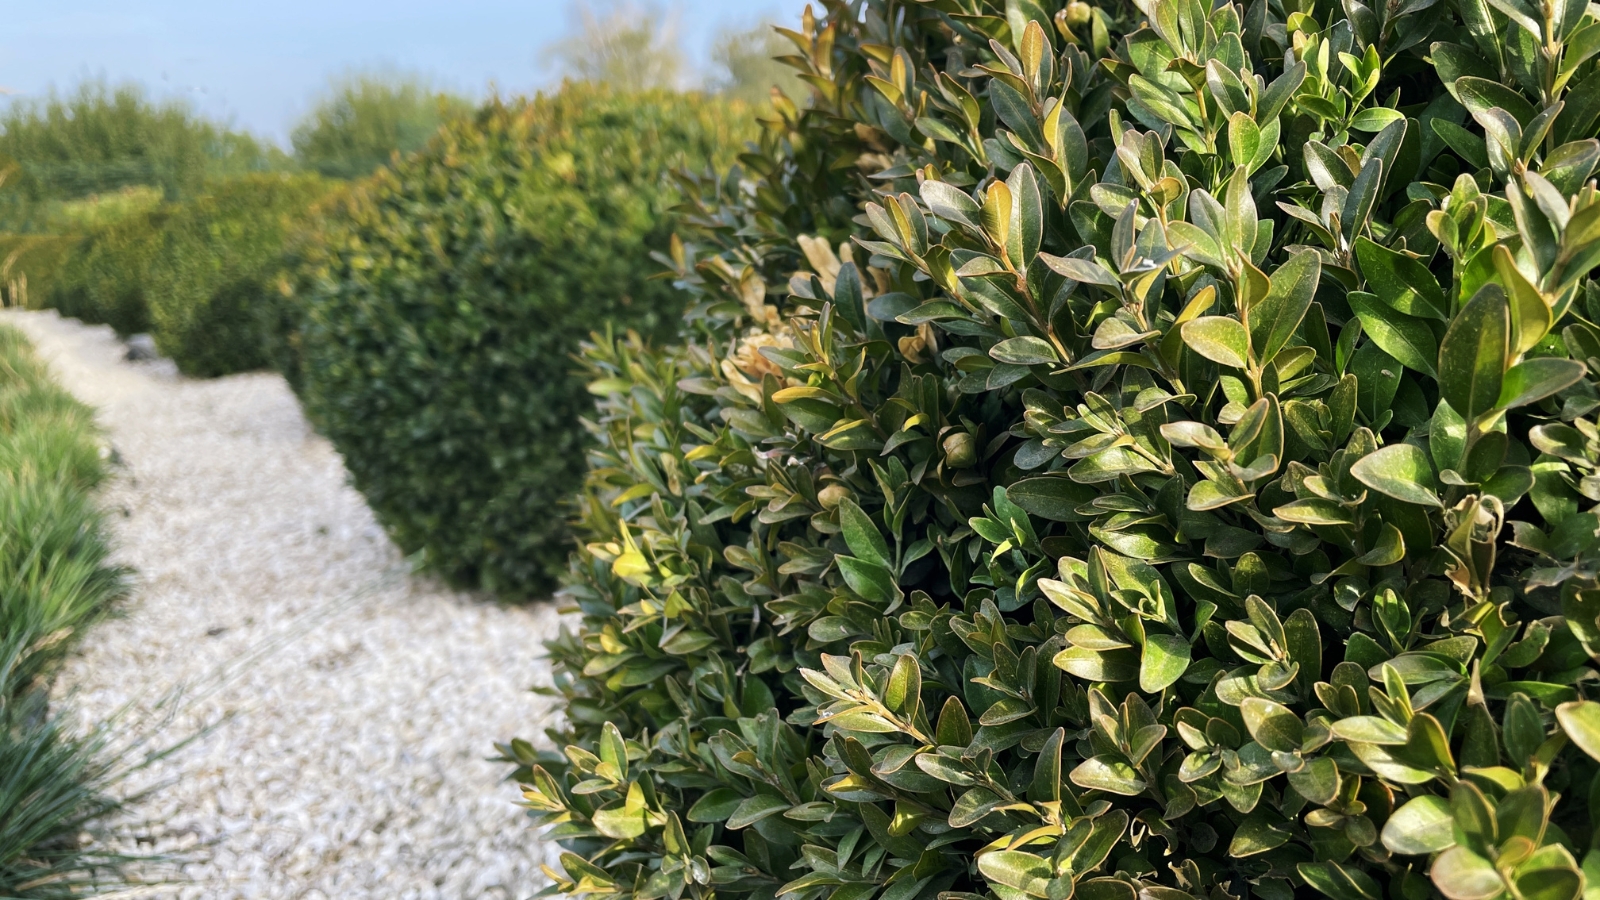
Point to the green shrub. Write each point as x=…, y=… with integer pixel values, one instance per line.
x=100, y=139
x=29, y=264
x=1176, y=481
x=366, y=119
x=212, y=288
x=105, y=279
x=438, y=307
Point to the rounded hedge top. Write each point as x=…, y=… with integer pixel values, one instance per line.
x=439, y=305
x=1178, y=480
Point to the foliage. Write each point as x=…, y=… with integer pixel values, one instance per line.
x=1172, y=473
x=212, y=287
x=438, y=306
x=630, y=47
x=105, y=277
x=99, y=139
x=364, y=119
x=53, y=564
x=749, y=68
x=29, y=264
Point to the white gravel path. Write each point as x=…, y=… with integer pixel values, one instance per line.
x=350, y=758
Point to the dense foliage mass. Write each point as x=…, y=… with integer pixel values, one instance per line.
x=104, y=279
x=99, y=139
x=438, y=309
x=1119, y=453
x=53, y=563
x=364, y=120
x=212, y=288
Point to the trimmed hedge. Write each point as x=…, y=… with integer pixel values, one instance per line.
x=1176, y=480
x=213, y=286
x=105, y=279
x=437, y=309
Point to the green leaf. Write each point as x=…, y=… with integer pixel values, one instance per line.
x=1375, y=118
x=1401, y=471
x=756, y=808
x=1099, y=665
x=1423, y=825
x=950, y=202
x=1023, y=871
x=1581, y=721
x=1472, y=356
x=1163, y=662
x=971, y=806
x=1272, y=725
x=1363, y=194
x=1402, y=282
x=628, y=820
x=1369, y=730
x=1109, y=774
x=1275, y=319
x=614, y=751
x=1550, y=874
x=1025, y=351
x=1318, y=781
x=1406, y=338
x=873, y=582
x=716, y=806
x=1244, y=138
x=1534, y=379
x=1340, y=882
x=862, y=536
x=1050, y=497
x=1460, y=874
x=1219, y=339
x=1261, y=831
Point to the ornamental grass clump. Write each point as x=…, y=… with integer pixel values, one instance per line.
x=1115, y=453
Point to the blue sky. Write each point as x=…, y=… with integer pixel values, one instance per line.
x=260, y=64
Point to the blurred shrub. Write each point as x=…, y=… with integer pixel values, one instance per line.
x=105, y=279
x=212, y=286
x=29, y=264
x=438, y=306
x=365, y=119
x=99, y=139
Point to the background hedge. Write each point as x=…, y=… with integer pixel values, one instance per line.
x=1168, y=474
x=213, y=286
x=438, y=308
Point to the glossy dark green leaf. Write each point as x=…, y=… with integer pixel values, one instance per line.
x=1472, y=356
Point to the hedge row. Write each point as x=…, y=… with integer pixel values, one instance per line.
x=54, y=781
x=1119, y=453
x=201, y=276
x=435, y=312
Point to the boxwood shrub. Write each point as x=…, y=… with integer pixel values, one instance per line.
x=105, y=278
x=1172, y=476
x=438, y=308
x=213, y=286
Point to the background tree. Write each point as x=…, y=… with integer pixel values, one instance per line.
x=748, y=68
x=364, y=118
x=628, y=46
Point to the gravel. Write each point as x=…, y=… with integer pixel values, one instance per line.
x=351, y=706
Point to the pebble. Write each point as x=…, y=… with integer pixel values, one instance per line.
x=342, y=709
